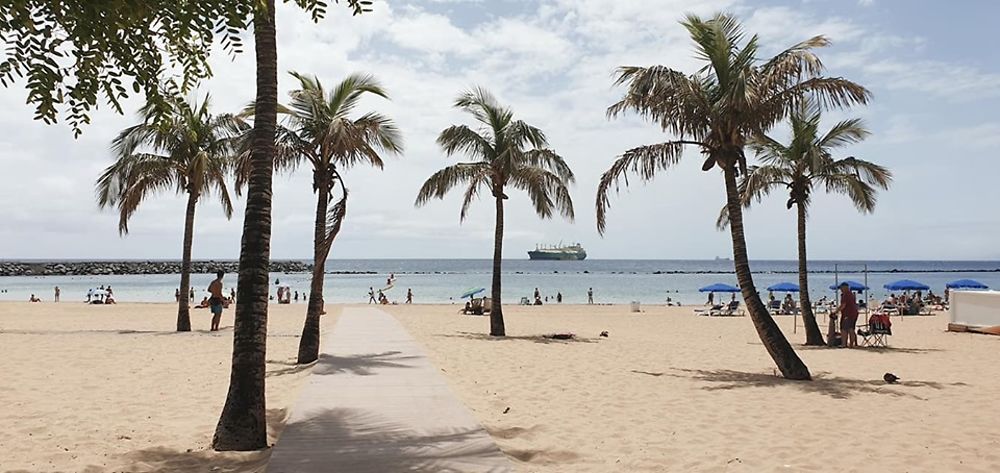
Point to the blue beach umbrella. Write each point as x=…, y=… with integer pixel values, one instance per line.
x=719, y=287
x=906, y=285
x=471, y=292
x=854, y=286
x=966, y=284
x=784, y=287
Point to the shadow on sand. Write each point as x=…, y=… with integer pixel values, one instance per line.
x=879, y=350
x=823, y=383
x=516, y=338
x=356, y=440
x=163, y=459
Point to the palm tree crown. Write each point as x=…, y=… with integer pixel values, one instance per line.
x=717, y=109
x=807, y=162
x=188, y=150
x=507, y=152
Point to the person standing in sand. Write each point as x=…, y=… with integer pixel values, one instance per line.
x=409, y=296
x=57, y=294
x=590, y=295
x=848, y=317
x=371, y=295
x=215, y=289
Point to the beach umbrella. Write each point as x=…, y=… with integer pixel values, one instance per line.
x=966, y=284
x=719, y=287
x=906, y=285
x=854, y=286
x=784, y=287
x=471, y=292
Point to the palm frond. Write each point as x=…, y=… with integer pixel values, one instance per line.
x=460, y=138
x=845, y=133
x=644, y=161
x=442, y=181
x=549, y=160
x=127, y=182
x=547, y=191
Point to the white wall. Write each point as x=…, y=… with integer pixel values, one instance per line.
x=976, y=308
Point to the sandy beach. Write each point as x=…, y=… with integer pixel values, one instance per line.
x=669, y=391
x=102, y=389
x=114, y=389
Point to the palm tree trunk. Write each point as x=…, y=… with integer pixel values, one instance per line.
x=309, y=343
x=183, y=303
x=496, y=310
x=813, y=334
x=770, y=335
x=243, y=423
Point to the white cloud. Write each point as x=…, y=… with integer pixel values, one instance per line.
x=551, y=61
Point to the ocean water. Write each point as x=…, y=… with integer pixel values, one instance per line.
x=443, y=281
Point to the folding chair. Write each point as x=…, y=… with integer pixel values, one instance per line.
x=876, y=332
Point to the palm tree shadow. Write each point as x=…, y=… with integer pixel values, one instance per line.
x=543, y=339
x=343, y=439
x=169, y=459
x=363, y=365
x=823, y=383
x=879, y=350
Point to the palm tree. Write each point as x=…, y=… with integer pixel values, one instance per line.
x=506, y=153
x=803, y=164
x=187, y=150
x=733, y=97
x=243, y=422
x=321, y=133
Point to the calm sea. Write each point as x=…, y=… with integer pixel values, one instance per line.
x=613, y=281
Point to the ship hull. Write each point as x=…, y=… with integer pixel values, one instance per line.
x=556, y=256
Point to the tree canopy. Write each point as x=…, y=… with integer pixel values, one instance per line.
x=74, y=53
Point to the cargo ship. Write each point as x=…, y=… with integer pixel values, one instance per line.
x=571, y=253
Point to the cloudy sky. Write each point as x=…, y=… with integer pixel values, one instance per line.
x=932, y=66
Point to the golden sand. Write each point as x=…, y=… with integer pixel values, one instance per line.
x=87, y=388
x=102, y=389
x=670, y=391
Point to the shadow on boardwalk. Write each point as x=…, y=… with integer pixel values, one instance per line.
x=341, y=439
x=823, y=383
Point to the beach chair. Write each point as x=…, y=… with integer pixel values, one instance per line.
x=487, y=304
x=709, y=311
x=876, y=331
x=775, y=307
x=525, y=301
x=475, y=307
x=733, y=308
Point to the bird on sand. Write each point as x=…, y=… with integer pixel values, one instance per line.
x=890, y=378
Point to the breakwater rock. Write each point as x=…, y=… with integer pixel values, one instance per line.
x=82, y=268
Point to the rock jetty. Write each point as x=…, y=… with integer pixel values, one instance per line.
x=81, y=268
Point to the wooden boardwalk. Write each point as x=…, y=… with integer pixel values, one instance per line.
x=375, y=403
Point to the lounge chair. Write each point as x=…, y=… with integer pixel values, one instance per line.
x=733, y=308
x=475, y=307
x=709, y=311
x=525, y=301
x=775, y=307
x=876, y=331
